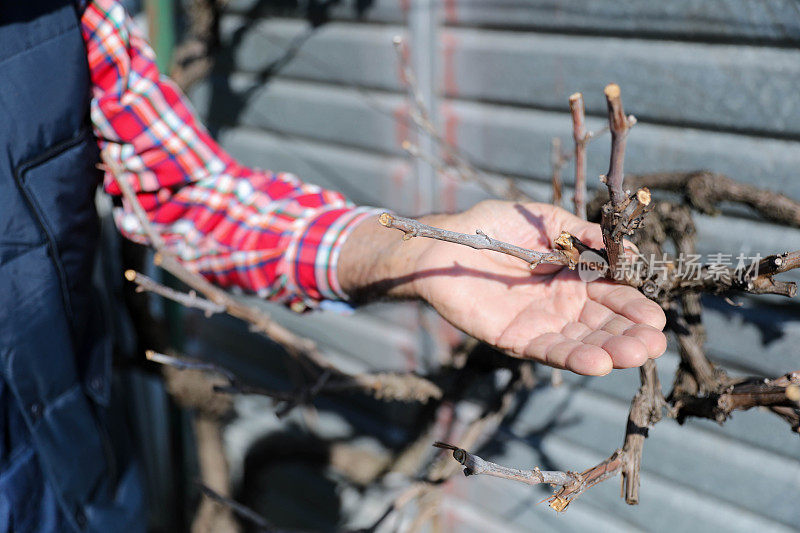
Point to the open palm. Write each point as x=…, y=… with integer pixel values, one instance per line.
x=549, y=315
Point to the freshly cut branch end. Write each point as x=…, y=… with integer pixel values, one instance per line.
x=793, y=393
x=558, y=504
x=386, y=219
x=612, y=90
x=643, y=195
x=618, y=120
x=565, y=242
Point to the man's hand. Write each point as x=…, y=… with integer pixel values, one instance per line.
x=549, y=315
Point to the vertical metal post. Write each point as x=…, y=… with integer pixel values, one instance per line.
x=161, y=30
x=422, y=25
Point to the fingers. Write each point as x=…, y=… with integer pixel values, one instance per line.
x=599, y=351
x=616, y=328
x=595, y=348
x=557, y=350
x=606, y=324
x=629, y=345
x=625, y=351
x=654, y=339
x=628, y=302
x=589, y=360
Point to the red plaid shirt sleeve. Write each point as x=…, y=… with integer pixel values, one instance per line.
x=268, y=233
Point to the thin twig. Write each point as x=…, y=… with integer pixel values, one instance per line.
x=475, y=465
x=479, y=241
x=181, y=363
x=618, y=124
x=675, y=281
x=580, y=137
x=169, y=262
x=572, y=484
x=411, y=84
x=556, y=164
x=189, y=299
x=457, y=164
x=646, y=409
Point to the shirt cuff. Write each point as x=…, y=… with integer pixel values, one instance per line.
x=314, y=256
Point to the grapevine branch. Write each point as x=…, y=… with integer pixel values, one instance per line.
x=713, y=279
x=426, y=490
x=475, y=465
x=704, y=191
x=557, y=160
x=622, y=214
x=479, y=241
x=783, y=391
x=623, y=218
x=701, y=390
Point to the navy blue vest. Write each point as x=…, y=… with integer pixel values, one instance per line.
x=58, y=466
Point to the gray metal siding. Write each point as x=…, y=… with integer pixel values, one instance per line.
x=715, y=86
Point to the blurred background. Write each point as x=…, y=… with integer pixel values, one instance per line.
x=315, y=87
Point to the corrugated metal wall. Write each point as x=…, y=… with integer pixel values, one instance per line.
x=714, y=84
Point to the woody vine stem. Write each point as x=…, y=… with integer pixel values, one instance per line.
x=701, y=390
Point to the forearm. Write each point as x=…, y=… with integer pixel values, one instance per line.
x=376, y=262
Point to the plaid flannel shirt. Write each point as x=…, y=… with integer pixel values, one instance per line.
x=264, y=232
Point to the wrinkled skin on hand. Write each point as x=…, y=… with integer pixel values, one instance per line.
x=548, y=314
